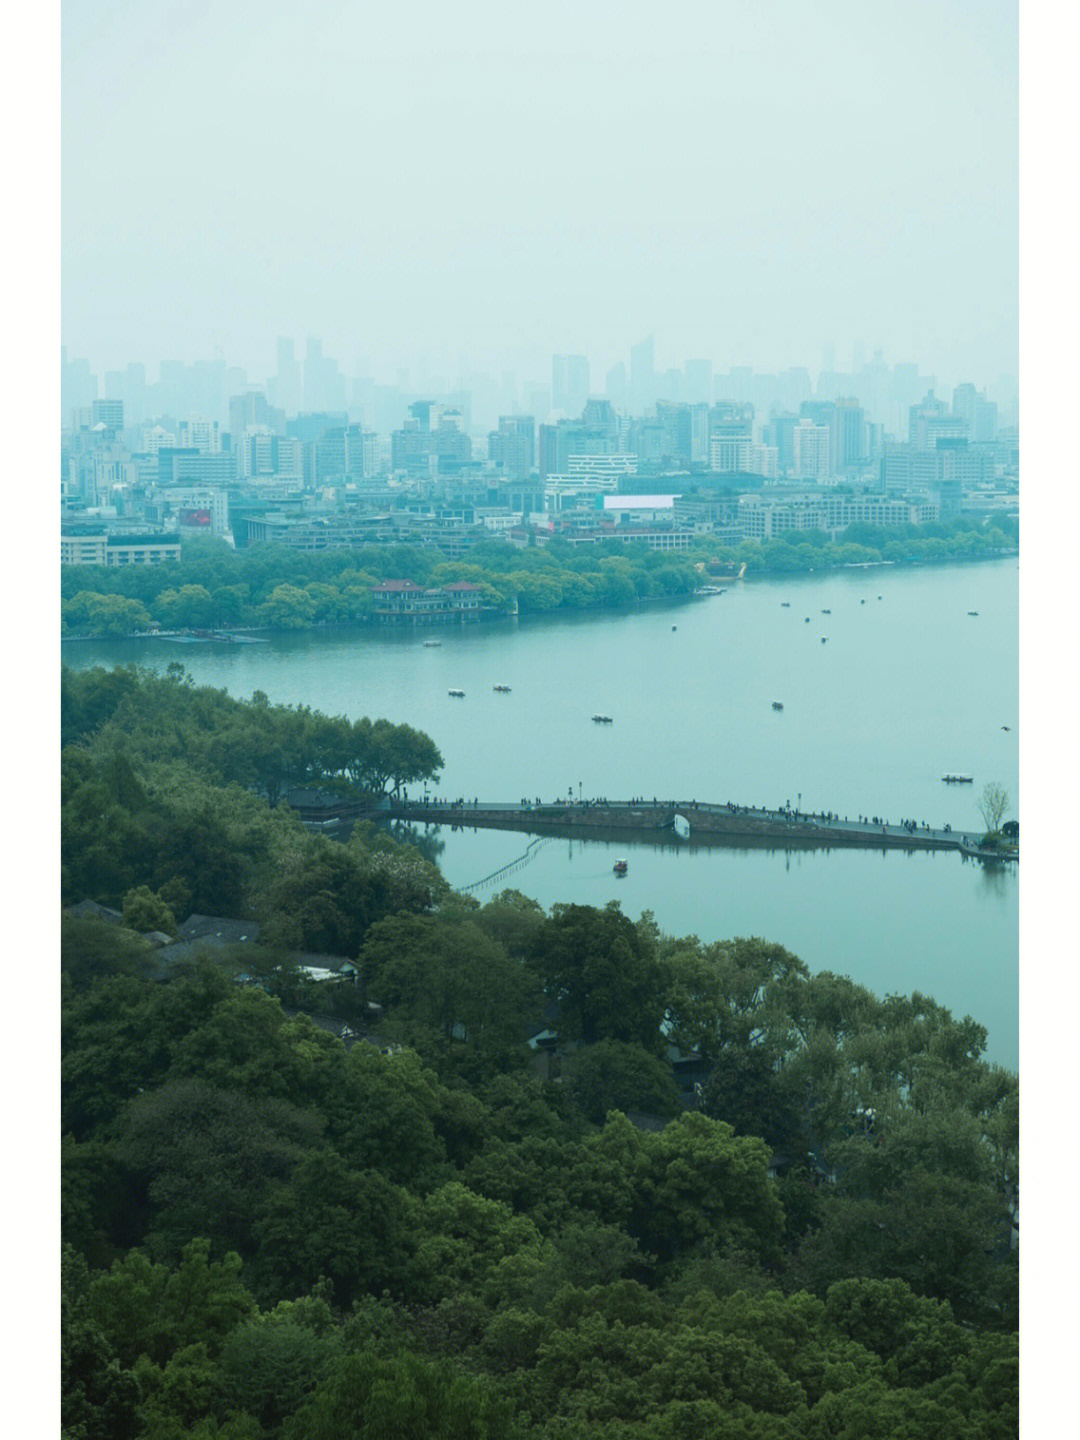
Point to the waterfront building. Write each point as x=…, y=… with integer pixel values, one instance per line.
x=764, y=516
x=403, y=600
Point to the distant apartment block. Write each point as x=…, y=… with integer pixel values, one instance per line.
x=810, y=451
x=188, y=467
x=728, y=453
x=764, y=517
x=201, y=435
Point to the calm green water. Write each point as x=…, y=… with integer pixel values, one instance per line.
x=906, y=687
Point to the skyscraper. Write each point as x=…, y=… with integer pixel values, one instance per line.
x=569, y=383
x=642, y=376
x=810, y=443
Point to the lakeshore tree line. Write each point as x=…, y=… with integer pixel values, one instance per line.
x=272, y=585
x=438, y=1231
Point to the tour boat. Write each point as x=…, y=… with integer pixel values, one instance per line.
x=458, y=694
x=620, y=867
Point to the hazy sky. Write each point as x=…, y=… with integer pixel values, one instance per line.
x=747, y=181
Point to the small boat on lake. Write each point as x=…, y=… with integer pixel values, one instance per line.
x=620, y=867
x=432, y=643
x=457, y=694
x=951, y=779
x=826, y=612
x=776, y=705
x=785, y=604
x=501, y=689
x=973, y=612
x=602, y=719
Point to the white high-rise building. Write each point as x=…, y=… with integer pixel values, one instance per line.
x=728, y=453
x=157, y=439
x=202, y=435
x=810, y=444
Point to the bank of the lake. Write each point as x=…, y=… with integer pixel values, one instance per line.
x=906, y=687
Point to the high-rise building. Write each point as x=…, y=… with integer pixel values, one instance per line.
x=699, y=431
x=642, y=376
x=251, y=408
x=931, y=421
x=569, y=383
x=109, y=413
x=513, y=446
x=616, y=386
x=731, y=417
x=978, y=413
x=287, y=386
x=547, y=457
x=729, y=453
x=779, y=433
x=697, y=382
x=78, y=388
x=810, y=444
x=850, y=434
x=199, y=434
x=677, y=423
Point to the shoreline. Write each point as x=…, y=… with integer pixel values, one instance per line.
x=223, y=635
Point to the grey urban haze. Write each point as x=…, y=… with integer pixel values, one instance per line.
x=456, y=189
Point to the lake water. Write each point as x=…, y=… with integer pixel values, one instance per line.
x=906, y=687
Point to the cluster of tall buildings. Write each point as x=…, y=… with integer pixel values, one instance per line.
x=302, y=455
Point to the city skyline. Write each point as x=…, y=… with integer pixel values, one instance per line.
x=506, y=186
